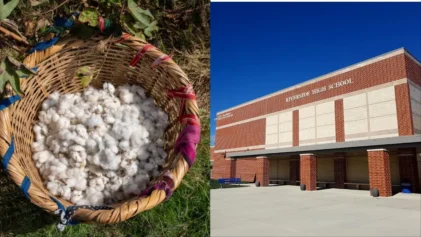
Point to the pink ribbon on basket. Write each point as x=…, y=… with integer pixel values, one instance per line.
x=101, y=23
x=140, y=54
x=186, y=143
x=167, y=184
x=160, y=60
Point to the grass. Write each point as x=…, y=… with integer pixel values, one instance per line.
x=186, y=213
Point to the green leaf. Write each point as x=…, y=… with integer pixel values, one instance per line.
x=20, y=66
x=6, y=9
x=152, y=28
x=2, y=75
x=89, y=15
x=139, y=14
x=9, y=76
x=85, y=75
x=139, y=25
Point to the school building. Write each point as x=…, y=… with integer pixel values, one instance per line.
x=358, y=128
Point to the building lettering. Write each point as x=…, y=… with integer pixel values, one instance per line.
x=320, y=90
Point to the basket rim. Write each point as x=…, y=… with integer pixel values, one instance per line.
x=126, y=209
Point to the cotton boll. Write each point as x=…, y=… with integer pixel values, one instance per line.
x=160, y=162
x=155, y=173
x=66, y=193
x=63, y=106
x=149, y=166
x=43, y=156
x=91, y=146
x=44, y=129
x=109, y=119
x=94, y=121
x=143, y=154
x=124, y=145
x=131, y=189
x=81, y=131
x=79, y=140
x=53, y=188
x=76, y=196
x=83, y=201
x=71, y=182
x=125, y=95
x=37, y=147
x=108, y=159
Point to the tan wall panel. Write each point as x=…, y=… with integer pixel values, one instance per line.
x=380, y=95
x=357, y=113
x=355, y=101
x=324, y=108
x=307, y=112
x=270, y=120
x=283, y=169
x=415, y=93
x=325, y=169
x=394, y=169
x=273, y=169
x=357, y=169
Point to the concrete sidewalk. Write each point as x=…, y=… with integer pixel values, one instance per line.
x=288, y=211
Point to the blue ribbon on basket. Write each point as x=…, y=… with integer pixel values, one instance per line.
x=44, y=45
x=67, y=213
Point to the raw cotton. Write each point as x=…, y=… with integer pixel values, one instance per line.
x=99, y=146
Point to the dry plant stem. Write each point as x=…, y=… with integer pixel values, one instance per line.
x=8, y=33
x=61, y=4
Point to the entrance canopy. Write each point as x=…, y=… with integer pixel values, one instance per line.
x=390, y=142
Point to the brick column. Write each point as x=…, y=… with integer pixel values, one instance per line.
x=340, y=170
x=308, y=175
x=379, y=171
x=262, y=174
x=295, y=128
x=408, y=168
x=233, y=168
x=339, y=120
x=294, y=171
x=403, y=110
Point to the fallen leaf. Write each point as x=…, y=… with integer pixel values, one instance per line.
x=89, y=15
x=85, y=75
x=29, y=28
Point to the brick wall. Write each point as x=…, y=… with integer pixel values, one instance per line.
x=246, y=169
x=242, y=135
x=308, y=168
x=379, y=172
x=221, y=167
x=380, y=72
x=403, y=110
x=339, y=120
x=262, y=174
x=413, y=70
x=295, y=128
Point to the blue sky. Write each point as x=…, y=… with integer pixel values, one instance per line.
x=260, y=48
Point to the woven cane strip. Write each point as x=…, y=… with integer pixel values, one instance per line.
x=56, y=68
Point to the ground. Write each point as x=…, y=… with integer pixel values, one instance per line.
x=288, y=211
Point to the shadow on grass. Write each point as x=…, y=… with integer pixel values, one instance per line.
x=18, y=214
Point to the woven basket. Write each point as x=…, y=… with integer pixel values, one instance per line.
x=109, y=58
